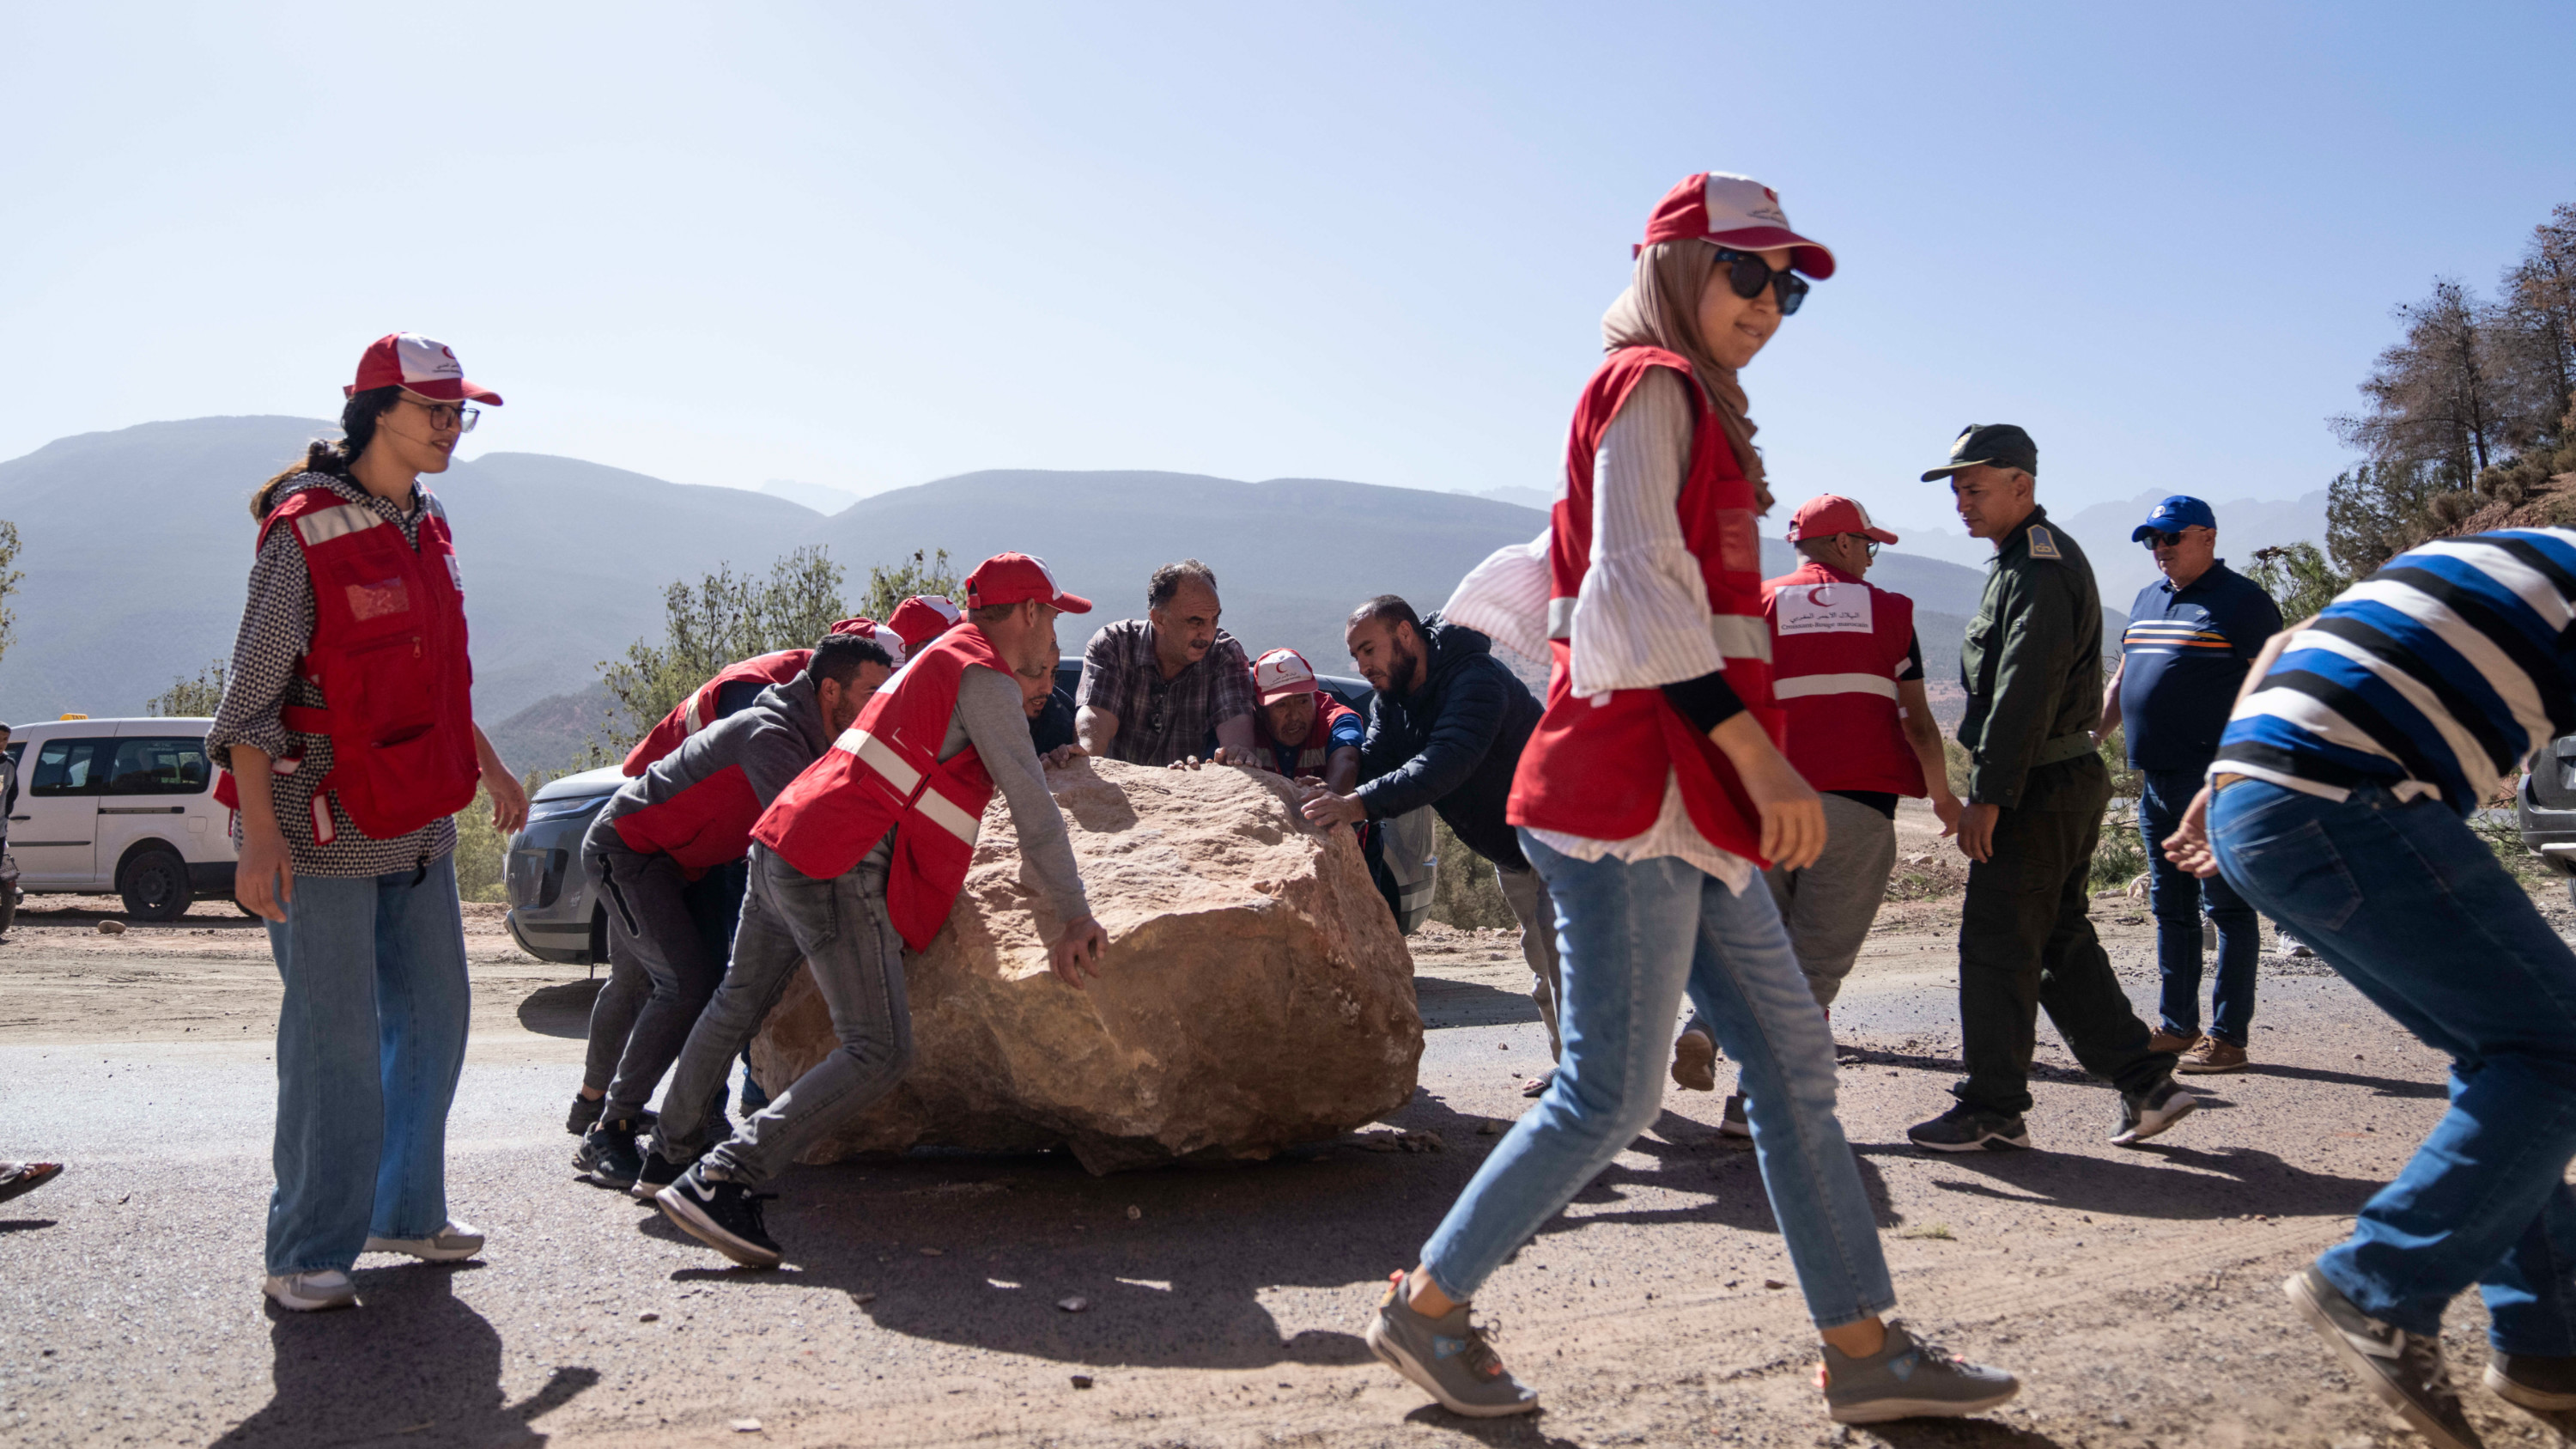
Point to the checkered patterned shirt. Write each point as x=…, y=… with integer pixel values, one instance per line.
x=276, y=630
x=1161, y=720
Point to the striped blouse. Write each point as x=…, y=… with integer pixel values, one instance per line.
x=2435, y=676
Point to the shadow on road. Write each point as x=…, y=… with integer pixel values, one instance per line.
x=23, y=1225
x=413, y=1361
x=1180, y=1285
x=1516, y=1431
x=562, y=1009
x=1446, y=1003
x=2379, y=1086
x=1692, y=1157
x=2142, y=1185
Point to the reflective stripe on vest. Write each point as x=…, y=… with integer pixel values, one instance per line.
x=1799, y=686
x=325, y=524
x=938, y=809
x=1738, y=636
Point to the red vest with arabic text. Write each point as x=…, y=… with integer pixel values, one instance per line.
x=388, y=653
x=699, y=710
x=1837, y=645
x=1596, y=767
x=884, y=773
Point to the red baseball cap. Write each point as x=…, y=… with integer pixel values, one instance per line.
x=881, y=635
x=1010, y=578
x=416, y=364
x=1282, y=674
x=1828, y=514
x=1737, y=212
x=922, y=618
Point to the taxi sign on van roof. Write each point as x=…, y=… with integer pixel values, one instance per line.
x=72, y=716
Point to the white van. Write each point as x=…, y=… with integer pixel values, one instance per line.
x=122, y=805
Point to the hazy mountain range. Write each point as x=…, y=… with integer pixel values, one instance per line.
x=136, y=544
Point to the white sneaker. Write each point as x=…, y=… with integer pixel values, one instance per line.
x=308, y=1292
x=448, y=1244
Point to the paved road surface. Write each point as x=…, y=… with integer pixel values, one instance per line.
x=2136, y=1290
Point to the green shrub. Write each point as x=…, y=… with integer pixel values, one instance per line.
x=1466, y=894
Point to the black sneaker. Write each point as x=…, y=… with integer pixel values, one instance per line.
x=723, y=1214
x=657, y=1173
x=608, y=1153
x=2144, y=1114
x=2544, y=1385
x=585, y=1111
x=1970, y=1129
x=2404, y=1369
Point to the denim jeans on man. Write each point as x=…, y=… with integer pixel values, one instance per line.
x=2409, y=906
x=2177, y=897
x=1632, y=936
x=840, y=928
x=370, y=1039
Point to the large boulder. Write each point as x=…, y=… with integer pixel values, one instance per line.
x=1255, y=994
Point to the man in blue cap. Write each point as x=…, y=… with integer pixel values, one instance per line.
x=2191, y=637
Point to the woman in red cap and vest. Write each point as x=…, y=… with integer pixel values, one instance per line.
x=1649, y=798
x=348, y=735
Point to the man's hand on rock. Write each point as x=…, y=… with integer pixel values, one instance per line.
x=1186, y=762
x=1076, y=954
x=1329, y=808
x=1229, y=755
x=1061, y=756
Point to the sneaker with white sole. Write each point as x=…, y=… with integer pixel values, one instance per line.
x=1909, y=1379
x=1733, y=1123
x=2144, y=1114
x=1695, y=1061
x=453, y=1242
x=723, y=1214
x=1970, y=1129
x=311, y=1292
x=1447, y=1357
x=2405, y=1369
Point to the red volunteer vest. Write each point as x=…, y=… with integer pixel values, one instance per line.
x=884, y=773
x=1836, y=646
x=699, y=710
x=388, y=654
x=1596, y=767
x=1318, y=749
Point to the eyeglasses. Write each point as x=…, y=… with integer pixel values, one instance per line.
x=2155, y=540
x=447, y=415
x=1866, y=542
x=1749, y=274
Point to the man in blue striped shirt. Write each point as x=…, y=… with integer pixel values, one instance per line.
x=2191, y=636
x=2337, y=805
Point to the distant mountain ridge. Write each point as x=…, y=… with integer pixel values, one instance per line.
x=136, y=544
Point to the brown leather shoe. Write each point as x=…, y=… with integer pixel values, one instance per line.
x=2209, y=1054
x=2161, y=1040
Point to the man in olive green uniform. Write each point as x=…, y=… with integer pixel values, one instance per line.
x=2032, y=669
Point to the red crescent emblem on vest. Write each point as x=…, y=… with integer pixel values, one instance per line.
x=1825, y=589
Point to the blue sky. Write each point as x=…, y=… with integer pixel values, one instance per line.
x=867, y=247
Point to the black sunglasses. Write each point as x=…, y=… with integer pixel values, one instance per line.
x=1749, y=274
x=2155, y=540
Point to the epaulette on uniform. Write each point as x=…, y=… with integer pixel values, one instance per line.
x=2043, y=544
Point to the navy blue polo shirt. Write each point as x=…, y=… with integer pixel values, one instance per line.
x=2183, y=657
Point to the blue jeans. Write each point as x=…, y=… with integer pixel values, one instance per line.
x=2410, y=907
x=370, y=1040
x=2178, y=897
x=1631, y=938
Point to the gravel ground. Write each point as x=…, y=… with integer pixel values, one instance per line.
x=2137, y=1292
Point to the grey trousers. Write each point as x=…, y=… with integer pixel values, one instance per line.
x=840, y=928
x=612, y=1020
x=649, y=925
x=1530, y=905
x=1830, y=905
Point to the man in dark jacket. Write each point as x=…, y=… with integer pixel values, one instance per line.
x=1446, y=730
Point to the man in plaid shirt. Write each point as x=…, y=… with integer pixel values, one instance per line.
x=1154, y=689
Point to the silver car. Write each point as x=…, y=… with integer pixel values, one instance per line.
x=552, y=916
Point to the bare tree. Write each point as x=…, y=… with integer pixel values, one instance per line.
x=2434, y=396
x=2535, y=331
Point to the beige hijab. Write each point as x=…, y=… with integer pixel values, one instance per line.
x=1661, y=309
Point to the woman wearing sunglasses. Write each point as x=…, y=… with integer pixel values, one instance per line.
x=348, y=737
x=1649, y=798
